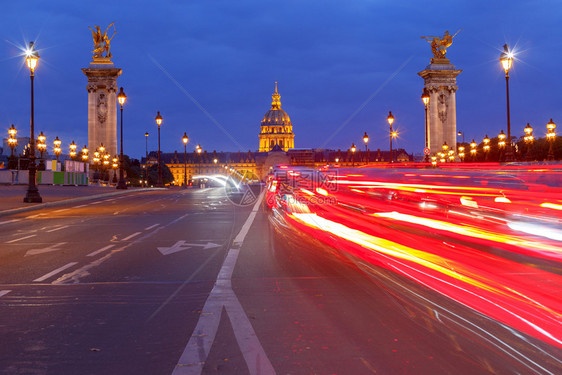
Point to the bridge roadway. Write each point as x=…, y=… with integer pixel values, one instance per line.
x=185, y=282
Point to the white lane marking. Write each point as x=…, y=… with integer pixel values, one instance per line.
x=59, y=228
x=52, y=273
x=82, y=205
x=62, y=209
x=131, y=236
x=22, y=238
x=74, y=276
x=34, y=216
x=92, y=254
x=182, y=245
x=97, y=202
x=197, y=350
x=4, y=292
x=53, y=247
x=150, y=227
x=9, y=221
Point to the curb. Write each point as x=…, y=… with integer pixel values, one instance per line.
x=73, y=200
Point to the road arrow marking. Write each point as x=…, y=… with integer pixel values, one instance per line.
x=53, y=247
x=182, y=245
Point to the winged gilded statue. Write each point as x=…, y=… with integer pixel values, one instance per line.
x=439, y=45
x=102, y=41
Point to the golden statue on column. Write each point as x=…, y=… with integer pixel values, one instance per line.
x=102, y=43
x=439, y=45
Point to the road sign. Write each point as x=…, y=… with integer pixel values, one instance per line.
x=426, y=150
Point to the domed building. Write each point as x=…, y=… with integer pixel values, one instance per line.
x=276, y=127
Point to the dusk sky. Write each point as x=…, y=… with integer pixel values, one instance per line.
x=209, y=67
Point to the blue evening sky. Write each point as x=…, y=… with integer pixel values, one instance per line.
x=209, y=67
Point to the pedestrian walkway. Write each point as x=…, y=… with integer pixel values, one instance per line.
x=11, y=196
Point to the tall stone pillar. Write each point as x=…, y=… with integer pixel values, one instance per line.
x=102, y=104
x=440, y=79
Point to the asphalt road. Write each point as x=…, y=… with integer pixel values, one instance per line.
x=185, y=282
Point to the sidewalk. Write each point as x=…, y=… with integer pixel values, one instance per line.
x=11, y=196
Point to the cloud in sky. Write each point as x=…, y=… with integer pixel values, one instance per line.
x=327, y=56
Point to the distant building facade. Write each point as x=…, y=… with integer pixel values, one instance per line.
x=276, y=127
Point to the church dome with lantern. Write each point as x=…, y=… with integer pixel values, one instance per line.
x=276, y=127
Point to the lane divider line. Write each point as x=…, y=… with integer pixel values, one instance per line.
x=92, y=254
x=197, y=349
x=131, y=236
x=52, y=273
x=62, y=210
x=152, y=226
x=9, y=221
x=59, y=228
x=22, y=238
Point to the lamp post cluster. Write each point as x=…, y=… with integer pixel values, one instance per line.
x=550, y=136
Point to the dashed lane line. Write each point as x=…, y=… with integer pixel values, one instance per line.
x=152, y=226
x=59, y=228
x=9, y=221
x=92, y=254
x=131, y=236
x=52, y=273
x=21, y=238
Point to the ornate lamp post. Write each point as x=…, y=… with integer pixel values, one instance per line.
x=506, y=59
x=501, y=143
x=390, y=120
x=85, y=154
x=115, y=165
x=199, y=151
x=550, y=136
x=185, y=139
x=146, y=159
x=366, y=140
x=425, y=99
x=12, y=140
x=106, y=158
x=72, y=152
x=158, y=119
x=528, y=140
x=57, y=150
x=353, y=154
x=32, y=195
x=121, y=97
x=95, y=161
x=473, y=146
x=460, y=134
x=461, y=153
x=486, y=147
x=42, y=147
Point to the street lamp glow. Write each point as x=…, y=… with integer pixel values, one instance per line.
x=32, y=57
x=425, y=97
x=185, y=138
x=366, y=138
x=506, y=59
x=390, y=118
x=158, y=118
x=121, y=97
x=12, y=131
x=41, y=137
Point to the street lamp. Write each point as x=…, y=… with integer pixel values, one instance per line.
x=121, y=97
x=390, y=120
x=32, y=195
x=486, y=147
x=146, y=158
x=12, y=140
x=95, y=161
x=461, y=153
x=473, y=146
x=501, y=143
x=506, y=59
x=185, y=140
x=57, y=150
x=550, y=136
x=115, y=165
x=85, y=154
x=353, y=154
x=445, y=147
x=425, y=99
x=158, y=119
x=528, y=140
x=42, y=147
x=72, y=152
x=366, y=140
x=199, y=151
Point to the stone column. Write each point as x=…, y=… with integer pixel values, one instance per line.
x=102, y=105
x=441, y=84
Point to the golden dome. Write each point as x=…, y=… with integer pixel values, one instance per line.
x=276, y=116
